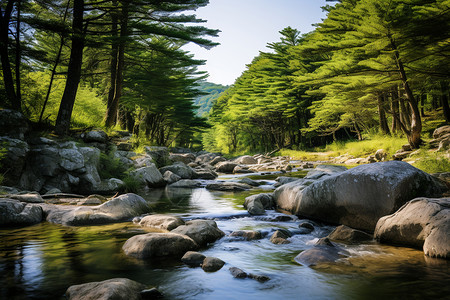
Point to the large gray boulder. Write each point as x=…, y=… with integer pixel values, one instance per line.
x=257, y=204
x=179, y=168
x=16, y=213
x=360, y=196
x=112, y=289
x=149, y=176
x=225, y=167
x=117, y=209
x=202, y=232
x=420, y=223
x=95, y=136
x=246, y=160
x=158, y=244
x=185, y=158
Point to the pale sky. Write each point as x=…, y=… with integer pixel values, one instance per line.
x=247, y=26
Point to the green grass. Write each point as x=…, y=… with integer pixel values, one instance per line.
x=431, y=162
x=111, y=167
x=362, y=148
x=130, y=185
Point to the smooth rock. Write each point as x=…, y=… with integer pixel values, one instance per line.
x=158, y=244
x=33, y=197
x=186, y=183
x=171, y=177
x=280, y=237
x=117, y=289
x=16, y=213
x=228, y=186
x=180, y=169
x=225, y=167
x=201, y=231
x=349, y=235
x=360, y=196
x=149, y=176
x=420, y=223
x=323, y=252
x=161, y=221
x=248, y=235
x=193, y=259
x=246, y=160
x=237, y=273
x=212, y=264
x=98, y=136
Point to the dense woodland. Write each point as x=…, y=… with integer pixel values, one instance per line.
x=369, y=66
x=113, y=62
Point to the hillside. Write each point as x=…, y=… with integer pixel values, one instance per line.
x=205, y=102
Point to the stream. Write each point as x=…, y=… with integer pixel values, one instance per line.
x=42, y=261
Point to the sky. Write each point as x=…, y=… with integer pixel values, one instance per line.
x=246, y=28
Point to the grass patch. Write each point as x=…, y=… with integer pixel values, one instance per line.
x=130, y=185
x=355, y=148
x=111, y=167
x=432, y=162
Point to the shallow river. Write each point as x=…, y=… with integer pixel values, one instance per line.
x=42, y=261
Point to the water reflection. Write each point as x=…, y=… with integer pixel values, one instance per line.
x=42, y=261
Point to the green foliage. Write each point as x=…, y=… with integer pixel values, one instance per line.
x=432, y=162
x=211, y=92
x=111, y=167
x=130, y=185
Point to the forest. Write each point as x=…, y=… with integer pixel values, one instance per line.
x=110, y=63
x=369, y=66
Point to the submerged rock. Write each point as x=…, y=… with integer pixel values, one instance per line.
x=158, y=244
x=201, y=231
x=228, y=186
x=238, y=273
x=117, y=288
x=421, y=223
x=248, y=235
x=323, y=252
x=360, y=196
x=280, y=237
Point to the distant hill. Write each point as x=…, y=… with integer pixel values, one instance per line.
x=206, y=102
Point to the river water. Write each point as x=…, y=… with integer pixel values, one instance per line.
x=42, y=261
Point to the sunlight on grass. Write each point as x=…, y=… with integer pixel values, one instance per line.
x=432, y=162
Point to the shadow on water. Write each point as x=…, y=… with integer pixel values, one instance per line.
x=42, y=261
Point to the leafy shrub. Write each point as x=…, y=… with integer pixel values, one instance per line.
x=130, y=185
x=111, y=167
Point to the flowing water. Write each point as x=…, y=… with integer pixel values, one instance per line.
x=42, y=261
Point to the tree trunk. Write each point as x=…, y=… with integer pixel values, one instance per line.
x=423, y=98
x=444, y=100
x=396, y=127
x=414, y=138
x=5, y=18
x=384, y=127
x=111, y=117
x=53, y=73
x=73, y=71
x=113, y=68
x=18, y=54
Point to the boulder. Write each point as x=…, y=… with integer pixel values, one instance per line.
x=380, y=155
x=212, y=264
x=349, y=235
x=240, y=169
x=360, y=196
x=13, y=124
x=228, y=186
x=205, y=174
x=171, y=177
x=257, y=204
x=323, y=252
x=249, y=181
x=202, y=232
x=161, y=221
x=217, y=160
x=95, y=136
x=158, y=244
x=248, y=235
x=149, y=176
x=246, y=160
x=185, y=158
x=16, y=213
x=280, y=237
x=420, y=223
x=283, y=179
x=322, y=171
x=159, y=155
x=117, y=209
x=108, y=186
x=33, y=197
x=186, y=183
x=193, y=259
x=117, y=288
x=206, y=158
x=237, y=273
x=180, y=169
x=225, y=167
